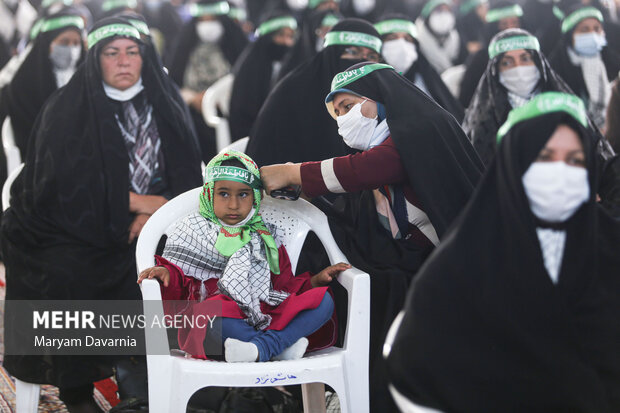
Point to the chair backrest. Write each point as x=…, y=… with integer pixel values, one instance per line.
x=217, y=96
x=238, y=145
x=6, y=188
x=452, y=77
x=13, y=156
x=293, y=220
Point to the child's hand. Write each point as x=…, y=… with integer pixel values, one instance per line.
x=160, y=273
x=327, y=275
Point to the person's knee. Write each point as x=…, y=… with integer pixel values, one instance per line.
x=327, y=305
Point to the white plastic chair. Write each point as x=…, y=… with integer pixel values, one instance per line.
x=217, y=96
x=452, y=77
x=238, y=145
x=13, y=156
x=174, y=378
x=6, y=188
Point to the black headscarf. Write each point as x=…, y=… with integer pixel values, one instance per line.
x=232, y=43
x=543, y=21
x=490, y=106
x=442, y=170
x=468, y=23
x=253, y=80
x=573, y=74
x=293, y=124
x=435, y=86
x=33, y=82
x=65, y=236
x=476, y=63
x=484, y=328
x=305, y=47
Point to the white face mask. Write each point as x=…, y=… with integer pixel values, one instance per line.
x=64, y=57
x=123, y=95
x=297, y=4
x=356, y=129
x=555, y=190
x=441, y=22
x=520, y=80
x=400, y=54
x=209, y=31
x=589, y=44
x=363, y=6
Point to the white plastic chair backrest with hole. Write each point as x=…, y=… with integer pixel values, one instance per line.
x=173, y=379
x=6, y=188
x=453, y=77
x=217, y=96
x=11, y=151
x=238, y=145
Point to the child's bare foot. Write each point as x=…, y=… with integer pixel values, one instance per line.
x=236, y=351
x=294, y=352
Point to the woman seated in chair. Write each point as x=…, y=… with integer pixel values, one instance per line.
x=518, y=310
x=415, y=173
x=226, y=254
x=107, y=150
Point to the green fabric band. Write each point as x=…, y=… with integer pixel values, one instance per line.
x=276, y=24
x=559, y=14
x=513, y=43
x=432, y=5
x=46, y=3
x=116, y=4
x=217, y=9
x=344, y=78
x=545, y=103
x=572, y=19
x=231, y=173
x=110, y=30
x=141, y=26
x=498, y=14
x=312, y=4
x=353, y=39
x=470, y=5
x=60, y=22
x=36, y=28
x=236, y=13
x=330, y=20
x=397, y=26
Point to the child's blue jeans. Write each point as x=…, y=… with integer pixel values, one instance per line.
x=270, y=343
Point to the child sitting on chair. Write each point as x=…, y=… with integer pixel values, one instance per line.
x=227, y=253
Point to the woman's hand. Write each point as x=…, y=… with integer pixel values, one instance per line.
x=280, y=176
x=160, y=273
x=145, y=204
x=327, y=275
x=136, y=226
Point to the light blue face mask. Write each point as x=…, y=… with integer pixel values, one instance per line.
x=589, y=44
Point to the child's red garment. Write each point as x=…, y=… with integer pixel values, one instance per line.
x=303, y=297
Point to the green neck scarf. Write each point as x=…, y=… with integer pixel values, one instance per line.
x=231, y=239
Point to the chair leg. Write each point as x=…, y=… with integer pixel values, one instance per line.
x=314, y=397
x=27, y=396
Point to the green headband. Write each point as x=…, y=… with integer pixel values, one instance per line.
x=276, y=24
x=46, y=3
x=141, y=26
x=216, y=9
x=559, y=14
x=513, y=43
x=575, y=17
x=232, y=173
x=353, y=39
x=36, y=28
x=116, y=29
x=344, y=78
x=397, y=26
x=432, y=5
x=236, y=13
x=312, y=4
x=60, y=22
x=545, y=103
x=469, y=5
x=115, y=4
x=329, y=20
x=498, y=14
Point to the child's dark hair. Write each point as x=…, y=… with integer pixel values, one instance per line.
x=233, y=162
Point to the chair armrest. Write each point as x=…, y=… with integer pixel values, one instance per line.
x=156, y=338
x=151, y=290
x=357, y=284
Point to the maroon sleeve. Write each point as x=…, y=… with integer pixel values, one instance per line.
x=180, y=286
x=370, y=169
